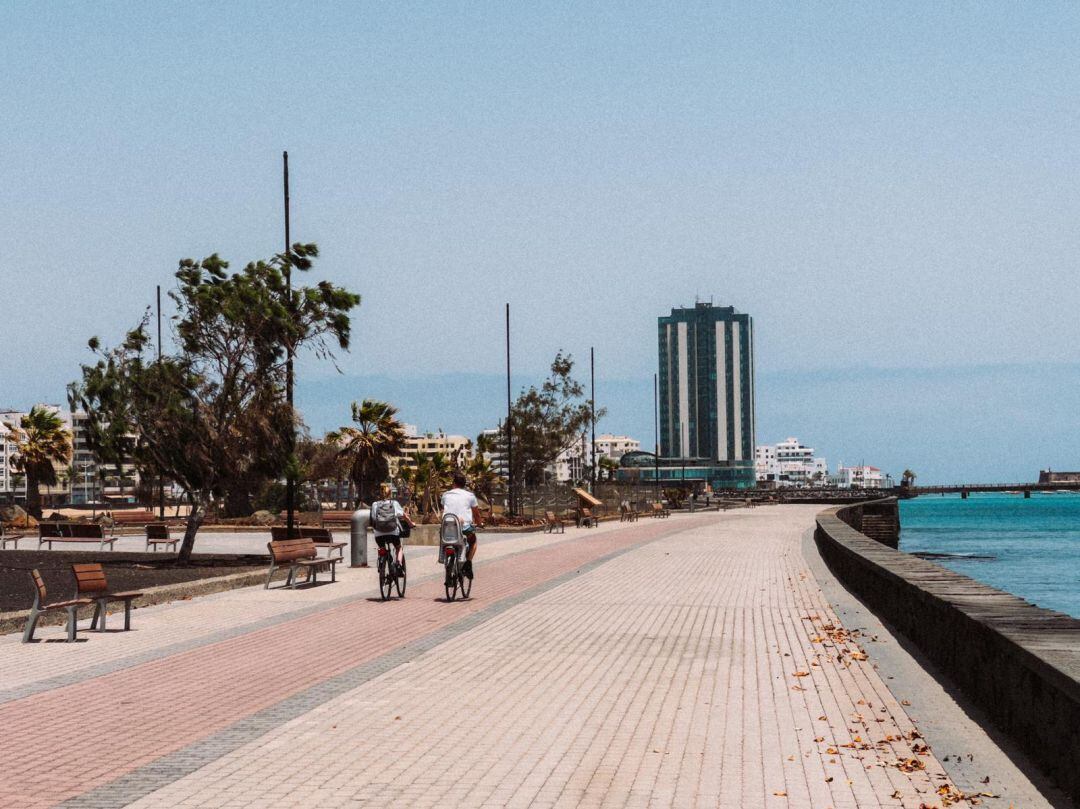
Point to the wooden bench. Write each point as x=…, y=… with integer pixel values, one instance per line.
x=627, y=512
x=658, y=510
x=5, y=538
x=50, y=532
x=553, y=524
x=585, y=518
x=298, y=554
x=90, y=584
x=157, y=533
x=322, y=537
x=132, y=517
x=39, y=606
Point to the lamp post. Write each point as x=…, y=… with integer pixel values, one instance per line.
x=656, y=436
x=592, y=419
x=509, y=426
x=290, y=482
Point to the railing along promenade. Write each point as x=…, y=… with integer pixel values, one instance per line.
x=1019, y=663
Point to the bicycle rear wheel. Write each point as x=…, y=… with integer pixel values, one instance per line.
x=466, y=585
x=451, y=583
x=400, y=580
x=386, y=581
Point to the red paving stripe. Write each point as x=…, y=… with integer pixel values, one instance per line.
x=64, y=742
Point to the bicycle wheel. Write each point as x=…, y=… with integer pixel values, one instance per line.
x=466, y=585
x=451, y=583
x=386, y=581
x=400, y=580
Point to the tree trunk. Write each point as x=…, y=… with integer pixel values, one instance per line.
x=194, y=520
x=238, y=503
x=33, y=495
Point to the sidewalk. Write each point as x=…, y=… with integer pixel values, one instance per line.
x=683, y=662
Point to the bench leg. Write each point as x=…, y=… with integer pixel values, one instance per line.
x=333, y=571
x=31, y=622
x=127, y=614
x=269, y=576
x=73, y=618
x=99, y=613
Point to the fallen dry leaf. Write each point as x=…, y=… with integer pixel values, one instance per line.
x=801, y=674
x=780, y=794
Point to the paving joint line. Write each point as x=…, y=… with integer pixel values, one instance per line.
x=160, y=773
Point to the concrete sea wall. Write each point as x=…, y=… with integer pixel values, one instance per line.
x=1018, y=662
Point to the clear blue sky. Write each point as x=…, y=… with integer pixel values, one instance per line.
x=882, y=186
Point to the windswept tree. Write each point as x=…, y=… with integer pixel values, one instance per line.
x=546, y=421
x=41, y=442
x=212, y=412
x=908, y=478
x=368, y=447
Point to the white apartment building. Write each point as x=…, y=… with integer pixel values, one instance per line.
x=12, y=483
x=789, y=463
x=859, y=477
x=497, y=457
x=429, y=443
x=8, y=479
x=86, y=480
x=615, y=446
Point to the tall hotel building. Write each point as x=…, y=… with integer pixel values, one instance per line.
x=707, y=393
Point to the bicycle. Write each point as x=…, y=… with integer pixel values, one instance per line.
x=452, y=557
x=389, y=577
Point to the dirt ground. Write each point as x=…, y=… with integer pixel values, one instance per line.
x=124, y=571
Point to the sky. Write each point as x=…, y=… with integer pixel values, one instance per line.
x=890, y=189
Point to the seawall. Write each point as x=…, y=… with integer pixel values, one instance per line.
x=1018, y=662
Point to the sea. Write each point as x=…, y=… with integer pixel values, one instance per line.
x=1028, y=547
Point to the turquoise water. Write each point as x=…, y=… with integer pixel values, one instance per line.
x=1035, y=544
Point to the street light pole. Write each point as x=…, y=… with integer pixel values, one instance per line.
x=592, y=418
x=656, y=436
x=161, y=478
x=290, y=484
x=509, y=425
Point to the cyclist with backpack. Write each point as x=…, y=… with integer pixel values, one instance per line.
x=387, y=520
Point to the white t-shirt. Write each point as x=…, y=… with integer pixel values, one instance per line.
x=399, y=512
x=460, y=502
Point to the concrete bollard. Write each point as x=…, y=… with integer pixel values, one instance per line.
x=358, y=526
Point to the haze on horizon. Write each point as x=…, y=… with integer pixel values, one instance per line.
x=881, y=187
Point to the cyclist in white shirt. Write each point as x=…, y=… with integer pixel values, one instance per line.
x=463, y=503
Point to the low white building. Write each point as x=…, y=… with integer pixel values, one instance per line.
x=789, y=463
x=859, y=477
x=615, y=446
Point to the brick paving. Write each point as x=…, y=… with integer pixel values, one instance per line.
x=685, y=662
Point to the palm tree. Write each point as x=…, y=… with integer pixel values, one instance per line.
x=482, y=477
x=40, y=441
x=441, y=476
x=608, y=467
x=908, y=478
x=367, y=446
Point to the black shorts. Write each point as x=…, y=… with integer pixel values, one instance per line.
x=381, y=541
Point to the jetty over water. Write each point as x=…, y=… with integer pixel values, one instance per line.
x=964, y=489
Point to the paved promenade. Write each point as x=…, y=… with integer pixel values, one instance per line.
x=683, y=662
